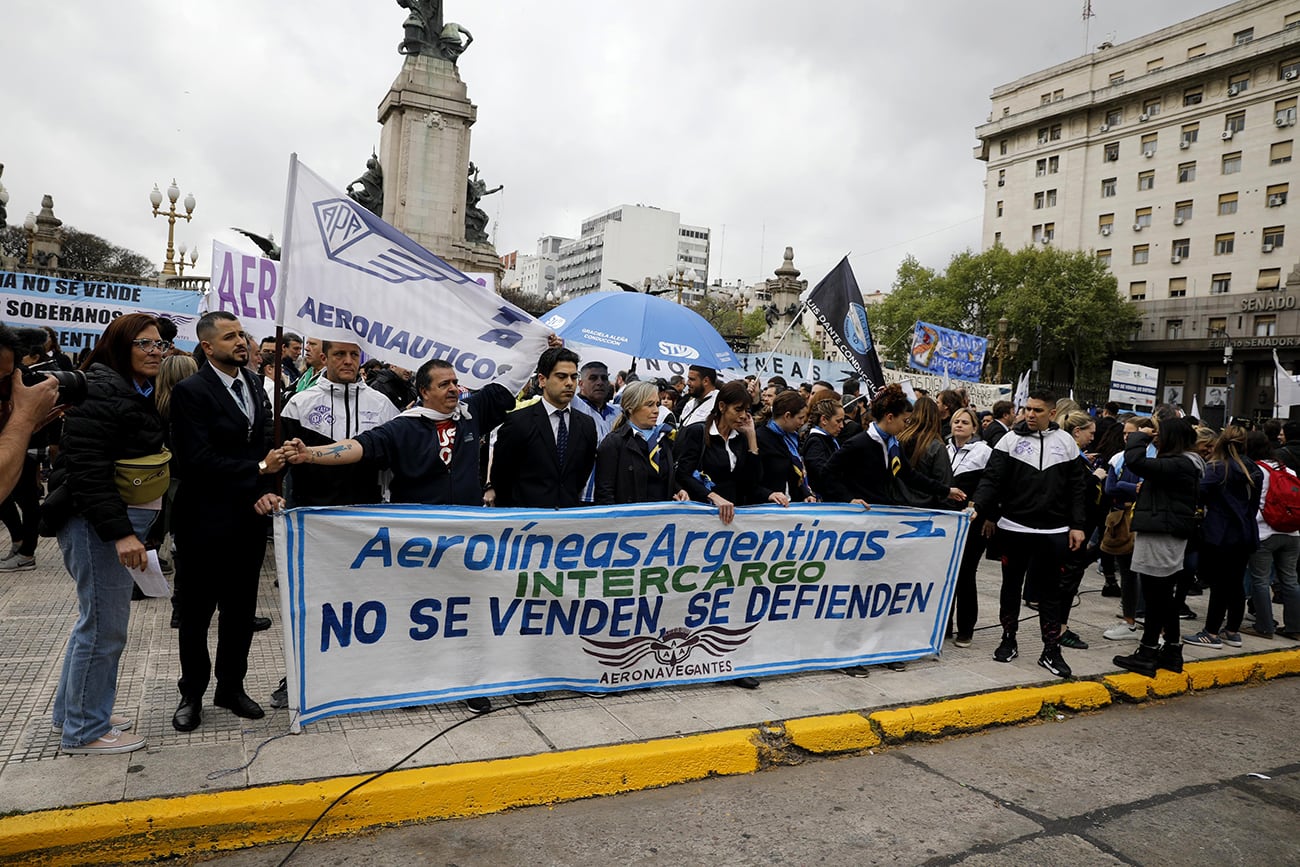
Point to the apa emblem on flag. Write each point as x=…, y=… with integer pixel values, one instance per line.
x=354, y=237
x=856, y=330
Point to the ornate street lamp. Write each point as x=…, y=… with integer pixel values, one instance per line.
x=1004, y=348
x=155, y=199
x=180, y=262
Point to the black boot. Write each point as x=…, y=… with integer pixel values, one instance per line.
x=1170, y=658
x=1142, y=662
x=1111, y=587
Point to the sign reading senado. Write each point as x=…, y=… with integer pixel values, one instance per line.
x=1273, y=302
x=390, y=606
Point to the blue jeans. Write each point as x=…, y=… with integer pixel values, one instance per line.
x=87, y=688
x=1278, y=551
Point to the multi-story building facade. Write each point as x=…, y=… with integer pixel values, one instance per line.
x=1170, y=156
x=630, y=243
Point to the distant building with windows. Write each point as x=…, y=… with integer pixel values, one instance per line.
x=1171, y=157
x=630, y=243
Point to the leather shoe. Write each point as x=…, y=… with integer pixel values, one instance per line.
x=239, y=704
x=188, y=715
x=261, y=624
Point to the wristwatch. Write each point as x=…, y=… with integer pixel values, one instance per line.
x=262, y=468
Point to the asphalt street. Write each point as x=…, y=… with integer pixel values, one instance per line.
x=1207, y=778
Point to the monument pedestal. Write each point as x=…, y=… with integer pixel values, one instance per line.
x=424, y=149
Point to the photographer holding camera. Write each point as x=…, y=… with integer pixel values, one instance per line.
x=24, y=407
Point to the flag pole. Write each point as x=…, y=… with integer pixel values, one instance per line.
x=281, y=291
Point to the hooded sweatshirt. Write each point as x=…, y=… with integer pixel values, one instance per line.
x=325, y=413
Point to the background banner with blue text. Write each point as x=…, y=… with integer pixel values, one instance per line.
x=390, y=606
x=936, y=349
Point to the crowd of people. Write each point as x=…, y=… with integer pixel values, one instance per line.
x=174, y=446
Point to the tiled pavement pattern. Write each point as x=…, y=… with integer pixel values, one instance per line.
x=37, y=610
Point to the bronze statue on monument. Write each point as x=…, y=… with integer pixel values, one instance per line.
x=425, y=33
x=476, y=219
x=371, y=194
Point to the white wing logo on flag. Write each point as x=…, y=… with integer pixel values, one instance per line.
x=356, y=238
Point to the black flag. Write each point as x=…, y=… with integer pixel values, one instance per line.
x=837, y=303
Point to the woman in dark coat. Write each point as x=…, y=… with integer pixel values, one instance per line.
x=777, y=434
x=826, y=422
x=634, y=462
x=103, y=538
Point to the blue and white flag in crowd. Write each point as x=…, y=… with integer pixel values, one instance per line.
x=347, y=275
x=246, y=285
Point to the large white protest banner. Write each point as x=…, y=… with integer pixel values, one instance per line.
x=388, y=606
x=347, y=275
x=246, y=285
x=80, y=310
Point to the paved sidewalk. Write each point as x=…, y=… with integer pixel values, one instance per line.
x=37, y=610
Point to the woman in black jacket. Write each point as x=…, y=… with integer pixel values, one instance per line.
x=103, y=539
x=634, y=462
x=826, y=423
x=1164, y=518
x=717, y=459
x=777, y=434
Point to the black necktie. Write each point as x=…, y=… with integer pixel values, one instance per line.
x=562, y=437
x=238, y=388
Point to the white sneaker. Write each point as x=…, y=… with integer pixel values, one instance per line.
x=1122, y=632
x=117, y=721
x=114, y=742
x=16, y=562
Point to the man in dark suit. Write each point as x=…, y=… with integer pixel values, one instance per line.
x=221, y=432
x=1003, y=416
x=545, y=451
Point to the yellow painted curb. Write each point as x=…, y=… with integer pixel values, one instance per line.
x=150, y=829
x=835, y=733
x=1279, y=664
x=1140, y=688
x=1209, y=673
x=979, y=711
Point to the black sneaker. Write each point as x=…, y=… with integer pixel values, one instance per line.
x=280, y=698
x=1007, y=650
x=857, y=671
x=1111, y=589
x=479, y=704
x=1186, y=613
x=1053, y=662
x=1071, y=640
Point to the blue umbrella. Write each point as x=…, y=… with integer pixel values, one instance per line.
x=643, y=326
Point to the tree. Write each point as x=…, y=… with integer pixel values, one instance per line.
x=720, y=312
x=1063, y=305
x=83, y=252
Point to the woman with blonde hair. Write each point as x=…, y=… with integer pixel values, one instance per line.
x=634, y=462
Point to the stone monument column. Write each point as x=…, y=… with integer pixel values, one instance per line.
x=424, y=149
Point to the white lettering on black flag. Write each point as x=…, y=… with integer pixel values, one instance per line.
x=837, y=303
x=347, y=275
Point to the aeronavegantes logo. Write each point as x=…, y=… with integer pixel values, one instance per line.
x=671, y=649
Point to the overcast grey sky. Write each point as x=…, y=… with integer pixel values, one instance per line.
x=831, y=126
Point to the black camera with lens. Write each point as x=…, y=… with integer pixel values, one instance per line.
x=72, y=383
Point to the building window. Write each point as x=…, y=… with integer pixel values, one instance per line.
x=1045, y=99
x=1142, y=217
x=1284, y=112
x=1186, y=172
x=1107, y=187
x=1151, y=107
x=1277, y=195
x=1040, y=167
x=1234, y=122
x=1114, y=117
x=1058, y=95
x=1049, y=231
x=1111, y=152
x=1220, y=284
x=1193, y=95
x=1223, y=244
x=1038, y=234
x=1173, y=329
x=1051, y=198
x=1042, y=135
x=1232, y=163
x=1266, y=326
x=1105, y=223
x=1181, y=247
x=1238, y=83
x=1241, y=37
x=1191, y=132
x=1141, y=254
x=997, y=239
x=1177, y=287
x=1227, y=204
x=1038, y=201
x=1053, y=165
x=1217, y=326
x=1289, y=68
x=1137, y=290
x=999, y=207
x=1149, y=143
x=1146, y=180
x=1002, y=148
x=1269, y=278
x=1196, y=51
x=1274, y=236
x=1183, y=211
x=1156, y=64
x=1292, y=20
x=1279, y=152
x=1002, y=177
x=1117, y=77
x=1103, y=256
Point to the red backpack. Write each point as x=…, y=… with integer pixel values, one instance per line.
x=1281, y=506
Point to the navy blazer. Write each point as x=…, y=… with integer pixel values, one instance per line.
x=526, y=470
